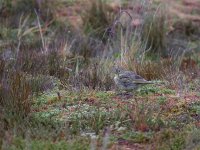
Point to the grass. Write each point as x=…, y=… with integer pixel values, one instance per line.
x=20, y=143
x=91, y=112
x=57, y=89
x=142, y=118
x=96, y=19
x=153, y=33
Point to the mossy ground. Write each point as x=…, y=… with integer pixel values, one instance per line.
x=156, y=117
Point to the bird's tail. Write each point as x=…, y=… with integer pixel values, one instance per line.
x=143, y=82
x=148, y=82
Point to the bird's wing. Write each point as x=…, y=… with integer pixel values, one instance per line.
x=129, y=76
x=124, y=79
x=127, y=83
x=143, y=82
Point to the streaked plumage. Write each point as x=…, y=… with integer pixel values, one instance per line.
x=128, y=80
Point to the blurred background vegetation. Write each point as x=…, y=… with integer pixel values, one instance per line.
x=74, y=44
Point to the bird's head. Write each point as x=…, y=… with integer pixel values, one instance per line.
x=117, y=70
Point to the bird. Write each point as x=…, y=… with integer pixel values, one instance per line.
x=128, y=80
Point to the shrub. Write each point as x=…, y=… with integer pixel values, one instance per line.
x=15, y=95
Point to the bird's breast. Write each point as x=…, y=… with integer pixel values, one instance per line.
x=116, y=79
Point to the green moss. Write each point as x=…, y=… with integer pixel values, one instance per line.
x=195, y=108
x=172, y=139
x=138, y=137
x=162, y=100
x=152, y=89
x=20, y=144
x=103, y=95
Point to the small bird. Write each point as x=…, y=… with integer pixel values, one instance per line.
x=128, y=80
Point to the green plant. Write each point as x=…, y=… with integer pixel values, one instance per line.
x=170, y=139
x=41, y=83
x=92, y=119
x=144, y=116
x=162, y=100
x=154, y=33
x=18, y=26
x=96, y=19
x=15, y=96
x=178, y=143
x=44, y=7
x=195, y=108
x=137, y=137
x=5, y=7
x=193, y=140
x=95, y=75
x=21, y=143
